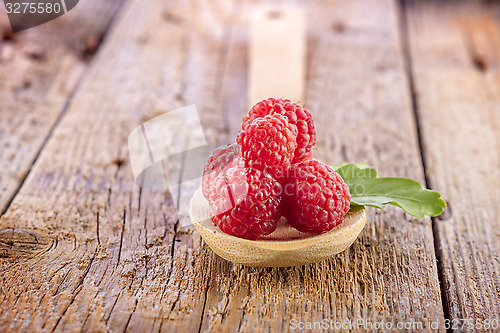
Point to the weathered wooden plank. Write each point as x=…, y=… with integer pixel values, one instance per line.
x=39, y=69
x=84, y=247
x=455, y=52
x=100, y=254
x=358, y=93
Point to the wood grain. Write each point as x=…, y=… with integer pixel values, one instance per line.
x=100, y=254
x=455, y=51
x=40, y=69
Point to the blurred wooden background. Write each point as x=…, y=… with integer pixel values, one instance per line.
x=410, y=87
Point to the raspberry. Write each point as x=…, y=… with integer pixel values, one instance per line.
x=316, y=196
x=268, y=144
x=298, y=116
x=221, y=158
x=245, y=202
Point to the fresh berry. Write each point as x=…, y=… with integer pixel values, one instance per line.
x=245, y=202
x=317, y=198
x=222, y=158
x=298, y=116
x=268, y=143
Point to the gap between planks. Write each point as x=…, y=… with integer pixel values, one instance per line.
x=402, y=12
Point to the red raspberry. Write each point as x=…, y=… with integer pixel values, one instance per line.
x=245, y=202
x=298, y=116
x=268, y=144
x=221, y=159
x=316, y=196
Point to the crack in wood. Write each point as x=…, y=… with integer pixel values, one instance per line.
x=62, y=281
x=97, y=229
x=113, y=308
x=207, y=285
x=76, y=290
x=146, y=229
x=121, y=237
x=130, y=317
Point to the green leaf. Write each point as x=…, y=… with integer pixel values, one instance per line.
x=369, y=190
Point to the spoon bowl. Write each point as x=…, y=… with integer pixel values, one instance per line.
x=284, y=247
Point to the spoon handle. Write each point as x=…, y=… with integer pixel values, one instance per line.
x=277, y=54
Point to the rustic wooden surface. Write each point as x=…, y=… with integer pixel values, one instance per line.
x=410, y=89
x=460, y=131
x=40, y=69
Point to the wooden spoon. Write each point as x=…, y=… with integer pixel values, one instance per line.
x=284, y=247
x=272, y=32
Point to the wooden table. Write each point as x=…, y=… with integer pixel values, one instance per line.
x=412, y=88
